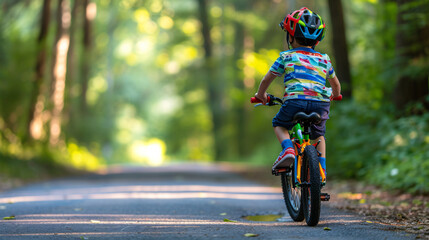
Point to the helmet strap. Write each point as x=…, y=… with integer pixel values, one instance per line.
x=314, y=46
x=287, y=40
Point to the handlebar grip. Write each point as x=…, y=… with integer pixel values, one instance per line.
x=339, y=98
x=256, y=100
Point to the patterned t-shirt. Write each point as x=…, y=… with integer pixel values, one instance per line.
x=305, y=72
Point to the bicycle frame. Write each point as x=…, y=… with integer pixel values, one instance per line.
x=301, y=140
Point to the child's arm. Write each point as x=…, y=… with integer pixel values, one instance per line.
x=265, y=83
x=336, y=86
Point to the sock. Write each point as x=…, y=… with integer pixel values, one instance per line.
x=287, y=143
x=322, y=161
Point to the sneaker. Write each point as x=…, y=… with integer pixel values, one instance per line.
x=285, y=159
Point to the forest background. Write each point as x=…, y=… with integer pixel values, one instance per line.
x=89, y=83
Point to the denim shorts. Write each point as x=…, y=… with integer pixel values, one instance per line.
x=284, y=117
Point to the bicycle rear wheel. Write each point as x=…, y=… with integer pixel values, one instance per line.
x=310, y=186
x=292, y=196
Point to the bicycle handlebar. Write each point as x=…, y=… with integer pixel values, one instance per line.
x=271, y=99
x=257, y=100
x=339, y=98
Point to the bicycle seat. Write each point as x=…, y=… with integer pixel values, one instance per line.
x=303, y=117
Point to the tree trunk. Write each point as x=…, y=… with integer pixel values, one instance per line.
x=214, y=84
x=111, y=26
x=59, y=70
x=342, y=65
x=240, y=110
x=72, y=60
x=412, y=50
x=35, y=121
x=89, y=15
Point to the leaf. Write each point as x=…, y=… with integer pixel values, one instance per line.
x=222, y=214
x=327, y=229
x=227, y=220
x=9, y=218
x=251, y=235
x=95, y=221
x=369, y=222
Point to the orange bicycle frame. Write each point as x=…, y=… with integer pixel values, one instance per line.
x=299, y=148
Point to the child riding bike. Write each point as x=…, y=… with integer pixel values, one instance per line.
x=306, y=72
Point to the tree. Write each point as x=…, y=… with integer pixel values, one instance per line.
x=89, y=15
x=35, y=122
x=412, y=43
x=214, y=84
x=72, y=58
x=342, y=64
x=59, y=69
x=239, y=45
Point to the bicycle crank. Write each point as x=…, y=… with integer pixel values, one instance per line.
x=325, y=196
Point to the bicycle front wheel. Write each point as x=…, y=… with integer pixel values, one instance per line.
x=310, y=186
x=292, y=196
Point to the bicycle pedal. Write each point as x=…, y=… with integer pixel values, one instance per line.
x=277, y=171
x=274, y=172
x=325, y=196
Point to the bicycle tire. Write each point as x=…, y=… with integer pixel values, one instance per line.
x=310, y=186
x=292, y=196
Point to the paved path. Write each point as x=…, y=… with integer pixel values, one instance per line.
x=175, y=202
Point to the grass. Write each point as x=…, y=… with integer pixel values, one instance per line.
x=20, y=165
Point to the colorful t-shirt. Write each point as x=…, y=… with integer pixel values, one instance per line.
x=305, y=72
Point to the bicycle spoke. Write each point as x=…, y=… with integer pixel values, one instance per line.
x=292, y=197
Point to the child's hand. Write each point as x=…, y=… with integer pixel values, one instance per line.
x=337, y=98
x=262, y=97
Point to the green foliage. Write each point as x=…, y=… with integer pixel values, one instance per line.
x=40, y=161
x=374, y=145
x=262, y=155
x=350, y=140
x=148, y=85
x=14, y=95
x=405, y=153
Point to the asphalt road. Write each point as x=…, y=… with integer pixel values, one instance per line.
x=175, y=202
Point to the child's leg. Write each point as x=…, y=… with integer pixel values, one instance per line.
x=281, y=133
x=322, y=146
x=283, y=137
x=322, y=149
x=287, y=155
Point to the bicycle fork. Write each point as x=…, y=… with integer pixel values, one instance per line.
x=299, y=149
x=298, y=165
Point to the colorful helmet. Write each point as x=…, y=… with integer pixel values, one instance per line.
x=304, y=23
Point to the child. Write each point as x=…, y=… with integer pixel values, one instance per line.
x=305, y=72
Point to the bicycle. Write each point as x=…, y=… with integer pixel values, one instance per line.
x=303, y=180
